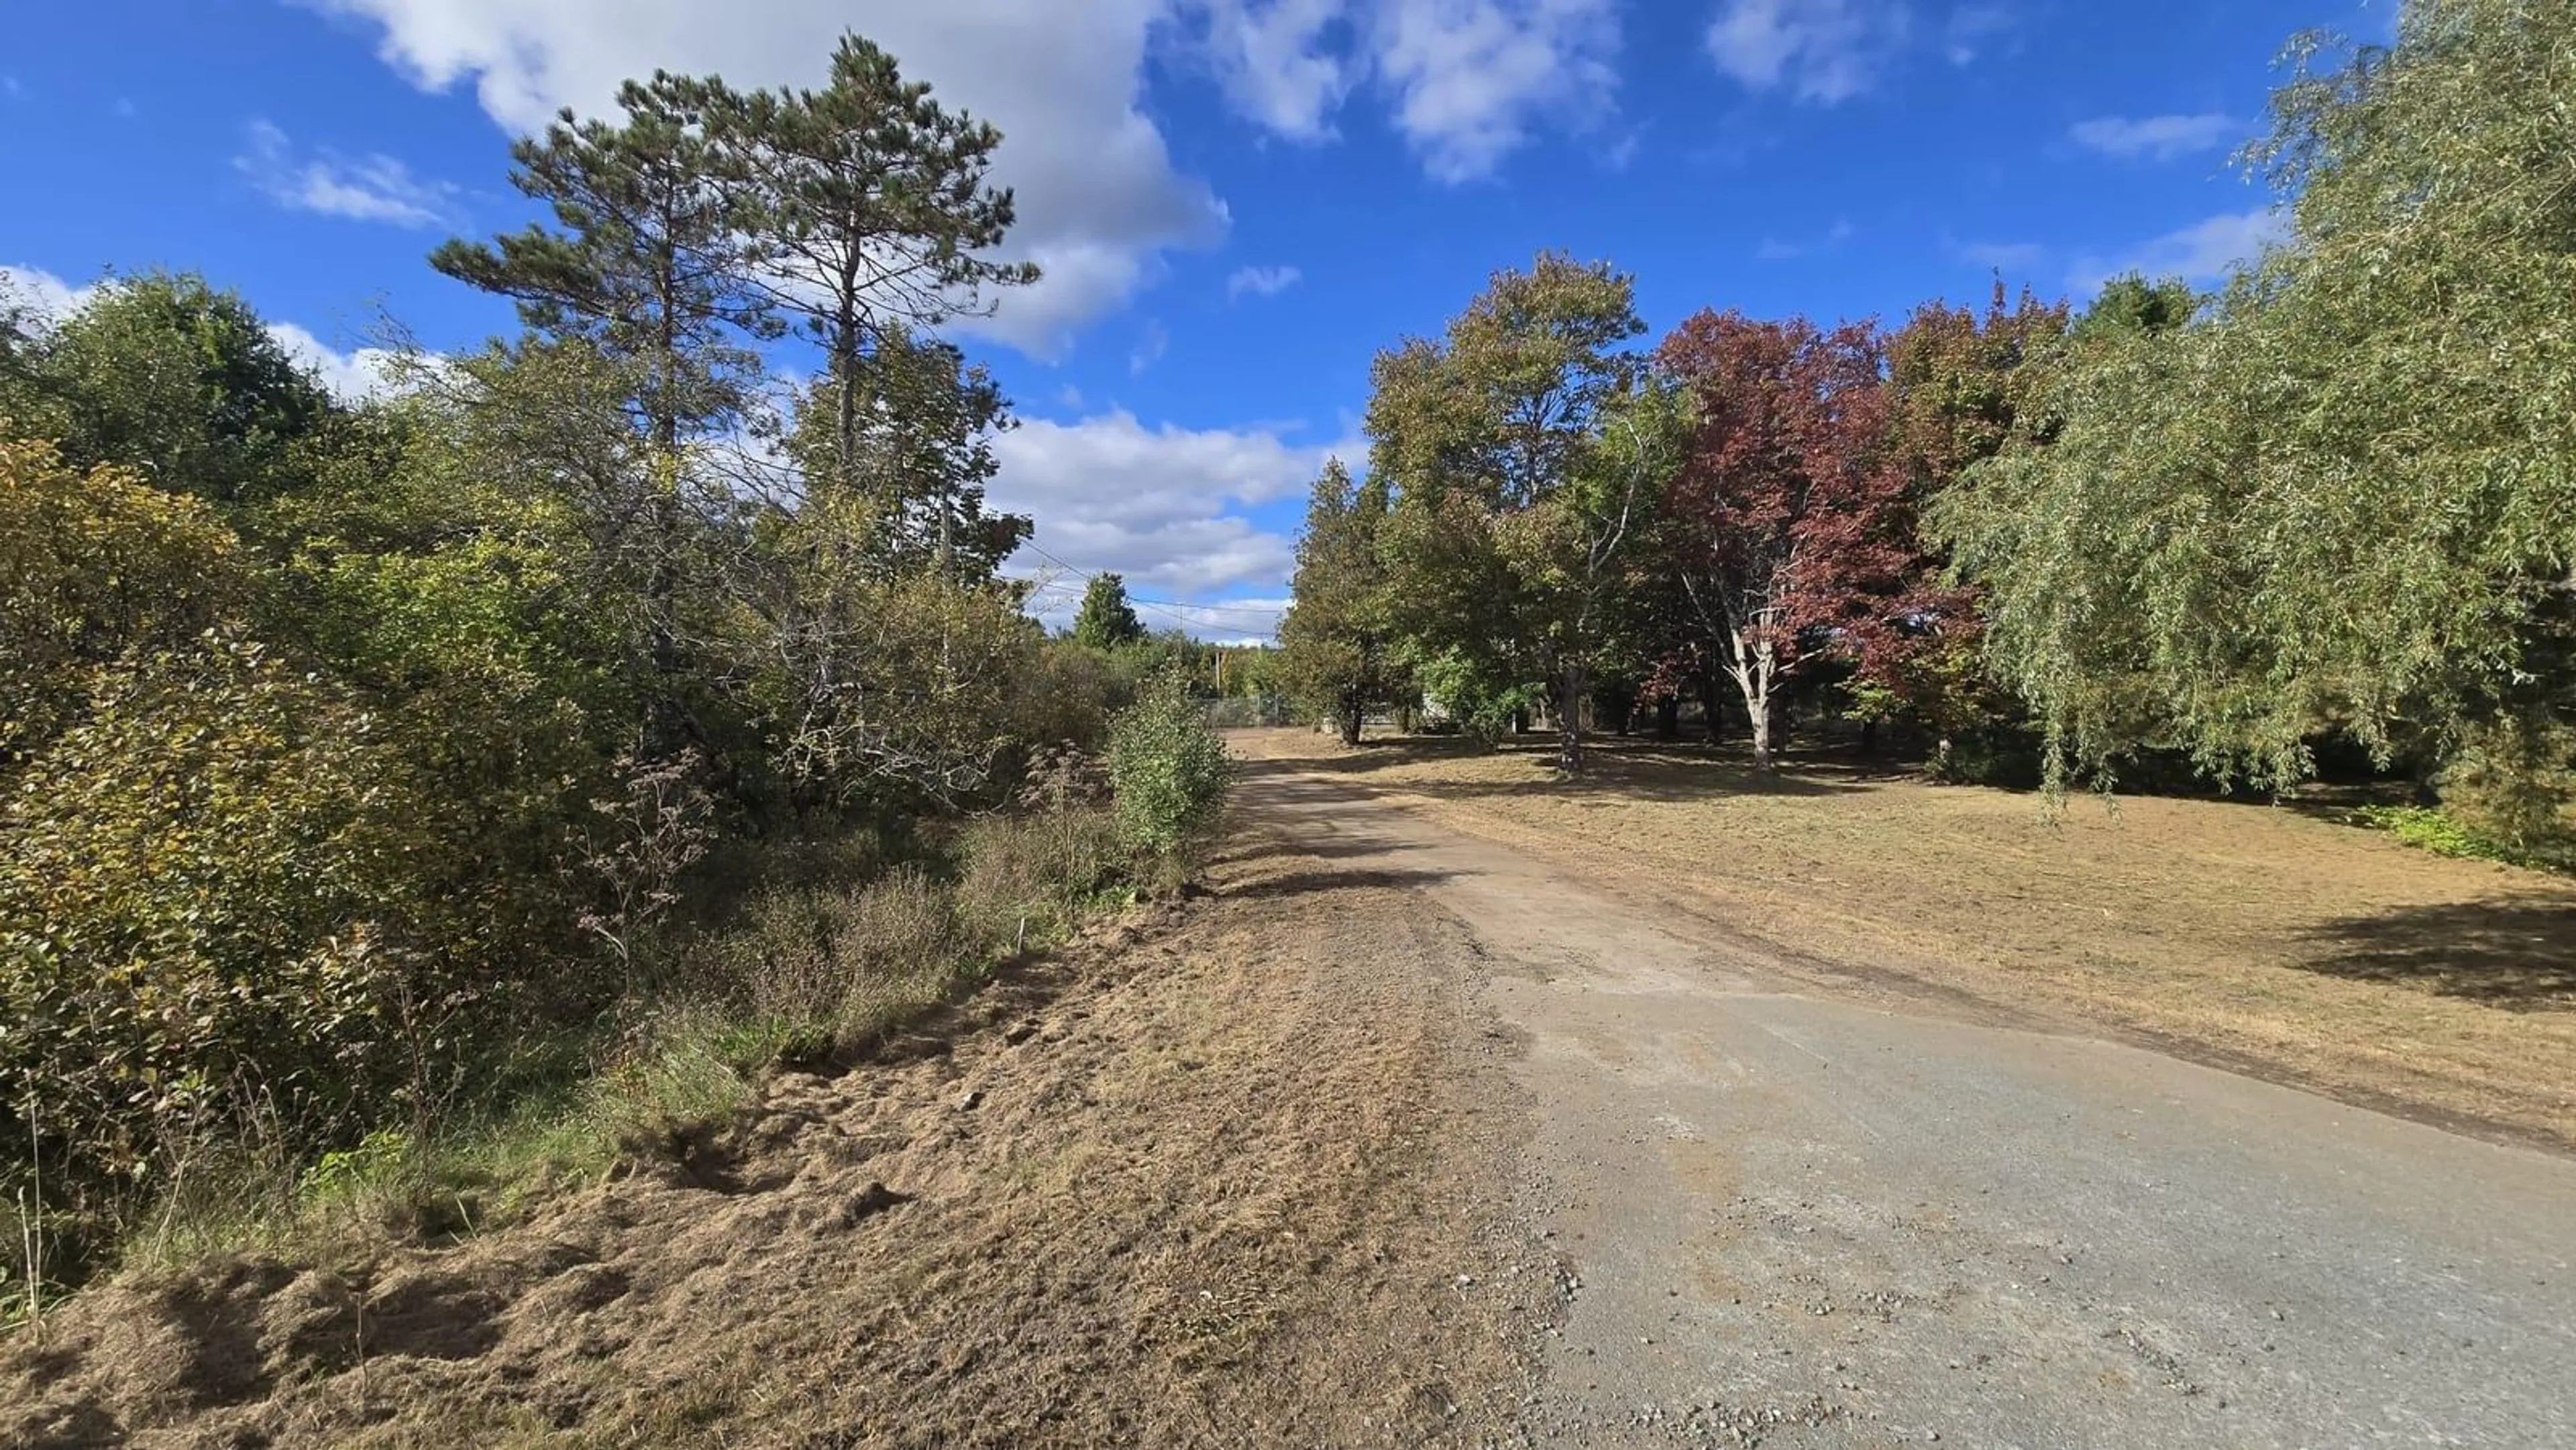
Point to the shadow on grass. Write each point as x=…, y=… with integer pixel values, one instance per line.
x=2517, y=954
x=1614, y=766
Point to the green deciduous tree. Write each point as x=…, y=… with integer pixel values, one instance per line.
x=2347, y=499
x=1337, y=641
x=1508, y=512
x=172, y=379
x=2131, y=303
x=1960, y=386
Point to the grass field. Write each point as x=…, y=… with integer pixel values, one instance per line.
x=2254, y=935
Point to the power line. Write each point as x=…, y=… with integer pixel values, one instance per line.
x=1174, y=611
x=1161, y=604
x=1164, y=605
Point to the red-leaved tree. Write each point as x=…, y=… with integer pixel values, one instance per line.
x=1790, y=526
x=1961, y=384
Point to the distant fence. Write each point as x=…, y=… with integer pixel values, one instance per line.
x=1241, y=712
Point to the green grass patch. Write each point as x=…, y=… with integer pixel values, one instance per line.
x=2428, y=829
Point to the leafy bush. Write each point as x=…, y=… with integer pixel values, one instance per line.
x=2445, y=834
x=1483, y=704
x=225, y=889
x=1070, y=692
x=2513, y=781
x=1170, y=775
x=93, y=565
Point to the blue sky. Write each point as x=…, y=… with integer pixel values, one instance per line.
x=1237, y=201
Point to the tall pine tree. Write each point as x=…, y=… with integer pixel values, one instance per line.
x=649, y=262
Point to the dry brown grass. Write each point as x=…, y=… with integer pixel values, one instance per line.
x=1225, y=1181
x=2253, y=935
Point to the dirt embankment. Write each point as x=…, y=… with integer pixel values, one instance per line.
x=1225, y=1179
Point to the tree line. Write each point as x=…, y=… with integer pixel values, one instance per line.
x=348, y=749
x=2325, y=512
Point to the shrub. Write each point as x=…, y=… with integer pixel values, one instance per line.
x=1069, y=693
x=93, y=566
x=1170, y=775
x=2513, y=781
x=224, y=891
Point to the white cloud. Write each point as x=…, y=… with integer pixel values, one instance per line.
x=1775, y=250
x=2203, y=252
x=373, y=188
x=1274, y=64
x=1261, y=281
x=2161, y=138
x=1164, y=507
x=348, y=376
x=1826, y=51
x=1970, y=29
x=1099, y=197
x=2002, y=256
x=1471, y=77
x=1151, y=343
x=39, y=293
x=1236, y=620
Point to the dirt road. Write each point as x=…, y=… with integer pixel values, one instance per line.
x=1801, y=1207
x=1399, y=1135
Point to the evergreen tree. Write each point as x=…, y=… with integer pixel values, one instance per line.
x=648, y=263
x=1106, y=620
x=922, y=456
x=876, y=219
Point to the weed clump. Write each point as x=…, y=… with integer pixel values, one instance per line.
x=1170, y=775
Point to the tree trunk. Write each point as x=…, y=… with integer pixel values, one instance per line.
x=1753, y=673
x=1668, y=718
x=1569, y=720
x=1869, y=739
x=1353, y=717
x=1712, y=705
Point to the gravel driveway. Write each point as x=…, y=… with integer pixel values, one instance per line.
x=1786, y=1213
